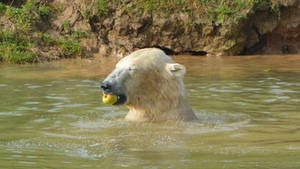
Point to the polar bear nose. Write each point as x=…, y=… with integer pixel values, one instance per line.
x=105, y=86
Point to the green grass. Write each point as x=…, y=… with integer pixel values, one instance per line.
x=67, y=25
x=102, y=6
x=2, y=7
x=87, y=13
x=80, y=34
x=98, y=7
x=19, y=45
x=26, y=16
x=16, y=48
x=23, y=17
x=44, y=11
x=69, y=47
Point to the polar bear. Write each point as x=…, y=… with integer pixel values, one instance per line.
x=151, y=85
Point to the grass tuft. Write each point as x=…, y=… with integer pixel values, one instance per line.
x=16, y=48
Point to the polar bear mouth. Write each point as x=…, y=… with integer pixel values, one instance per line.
x=121, y=99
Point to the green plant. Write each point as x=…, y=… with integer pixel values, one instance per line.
x=87, y=13
x=2, y=7
x=203, y=1
x=46, y=38
x=70, y=48
x=23, y=17
x=80, y=34
x=239, y=3
x=222, y=13
x=13, y=53
x=102, y=6
x=15, y=48
x=44, y=11
x=67, y=25
x=275, y=7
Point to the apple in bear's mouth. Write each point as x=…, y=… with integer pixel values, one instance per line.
x=109, y=98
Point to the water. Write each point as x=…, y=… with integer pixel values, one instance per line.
x=51, y=116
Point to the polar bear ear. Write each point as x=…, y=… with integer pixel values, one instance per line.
x=176, y=69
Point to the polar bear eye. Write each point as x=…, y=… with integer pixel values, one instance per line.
x=132, y=68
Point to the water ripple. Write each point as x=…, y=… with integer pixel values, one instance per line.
x=30, y=103
x=40, y=120
x=240, y=103
x=87, y=81
x=270, y=100
x=3, y=85
x=280, y=91
x=283, y=97
x=82, y=85
x=284, y=83
x=275, y=87
x=10, y=114
x=218, y=128
x=54, y=110
x=223, y=90
x=95, y=124
x=34, y=87
x=73, y=105
x=252, y=89
x=27, y=162
x=28, y=108
x=272, y=78
x=57, y=98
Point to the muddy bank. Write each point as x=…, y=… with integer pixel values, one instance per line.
x=96, y=28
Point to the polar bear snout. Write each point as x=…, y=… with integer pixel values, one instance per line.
x=106, y=86
x=113, y=85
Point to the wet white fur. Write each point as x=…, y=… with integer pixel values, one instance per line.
x=155, y=87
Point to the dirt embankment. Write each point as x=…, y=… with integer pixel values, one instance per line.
x=115, y=28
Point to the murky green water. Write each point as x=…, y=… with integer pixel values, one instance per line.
x=249, y=110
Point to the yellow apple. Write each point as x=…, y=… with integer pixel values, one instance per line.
x=109, y=98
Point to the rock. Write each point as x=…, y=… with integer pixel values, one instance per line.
x=265, y=22
x=285, y=38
